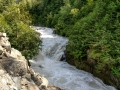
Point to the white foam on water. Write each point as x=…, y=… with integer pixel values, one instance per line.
x=60, y=73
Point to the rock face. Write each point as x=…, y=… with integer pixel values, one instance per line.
x=15, y=74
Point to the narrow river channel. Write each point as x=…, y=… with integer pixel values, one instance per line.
x=59, y=73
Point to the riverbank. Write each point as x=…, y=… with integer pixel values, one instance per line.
x=105, y=75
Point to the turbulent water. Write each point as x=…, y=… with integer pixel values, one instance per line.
x=60, y=73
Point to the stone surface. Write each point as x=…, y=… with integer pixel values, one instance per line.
x=15, y=74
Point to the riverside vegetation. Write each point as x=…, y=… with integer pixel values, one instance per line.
x=92, y=26
x=93, y=29
x=15, y=21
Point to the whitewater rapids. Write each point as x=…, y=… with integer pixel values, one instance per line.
x=59, y=73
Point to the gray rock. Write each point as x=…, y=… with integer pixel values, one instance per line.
x=15, y=74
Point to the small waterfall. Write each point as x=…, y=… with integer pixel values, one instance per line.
x=60, y=73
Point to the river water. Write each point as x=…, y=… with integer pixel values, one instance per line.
x=59, y=73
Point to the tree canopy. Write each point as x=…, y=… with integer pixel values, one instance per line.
x=15, y=20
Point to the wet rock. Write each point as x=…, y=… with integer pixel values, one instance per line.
x=63, y=58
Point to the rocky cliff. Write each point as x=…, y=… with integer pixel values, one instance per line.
x=15, y=74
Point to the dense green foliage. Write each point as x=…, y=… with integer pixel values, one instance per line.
x=15, y=21
x=45, y=12
x=90, y=25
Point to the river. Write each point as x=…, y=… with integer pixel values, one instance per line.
x=59, y=73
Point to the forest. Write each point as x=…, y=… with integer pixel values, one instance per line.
x=15, y=21
x=92, y=27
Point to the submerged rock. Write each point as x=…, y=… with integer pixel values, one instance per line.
x=15, y=73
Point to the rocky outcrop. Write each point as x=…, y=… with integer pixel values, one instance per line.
x=15, y=74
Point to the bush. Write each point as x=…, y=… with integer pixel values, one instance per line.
x=15, y=21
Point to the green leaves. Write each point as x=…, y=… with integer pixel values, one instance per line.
x=95, y=27
x=89, y=24
x=116, y=71
x=15, y=21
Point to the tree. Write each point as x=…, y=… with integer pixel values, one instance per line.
x=15, y=21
